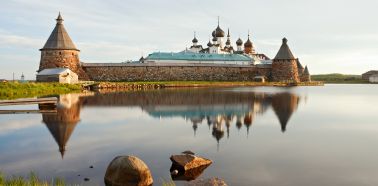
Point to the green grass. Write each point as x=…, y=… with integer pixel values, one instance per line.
x=16, y=90
x=167, y=183
x=338, y=78
x=31, y=180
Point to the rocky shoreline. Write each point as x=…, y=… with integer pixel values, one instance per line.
x=160, y=85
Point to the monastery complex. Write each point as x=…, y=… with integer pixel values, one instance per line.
x=219, y=60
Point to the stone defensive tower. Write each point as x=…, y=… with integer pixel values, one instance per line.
x=306, y=77
x=284, y=66
x=60, y=52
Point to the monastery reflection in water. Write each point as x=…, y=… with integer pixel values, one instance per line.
x=219, y=109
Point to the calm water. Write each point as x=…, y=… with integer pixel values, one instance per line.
x=255, y=136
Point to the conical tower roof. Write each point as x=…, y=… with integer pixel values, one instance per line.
x=284, y=105
x=59, y=38
x=62, y=124
x=306, y=71
x=299, y=65
x=284, y=52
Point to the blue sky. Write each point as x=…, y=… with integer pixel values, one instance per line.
x=328, y=36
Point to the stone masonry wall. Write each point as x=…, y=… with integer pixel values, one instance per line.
x=285, y=70
x=98, y=72
x=305, y=78
x=62, y=59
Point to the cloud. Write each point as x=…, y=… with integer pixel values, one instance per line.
x=103, y=51
x=115, y=30
x=17, y=41
x=19, y=124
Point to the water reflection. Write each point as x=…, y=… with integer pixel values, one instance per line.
x=219, y=109
x=62, y=123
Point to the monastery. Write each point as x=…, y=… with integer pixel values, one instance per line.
x=219, y=61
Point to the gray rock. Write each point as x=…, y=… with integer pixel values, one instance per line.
x=127, y=171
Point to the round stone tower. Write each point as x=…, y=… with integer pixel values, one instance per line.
x=284, y=66
x=60, y=52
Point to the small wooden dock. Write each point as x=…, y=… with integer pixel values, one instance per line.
x=29, y=101
x=27, y=111
x=50, y=104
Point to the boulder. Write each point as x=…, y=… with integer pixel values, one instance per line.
x=187, y=175
x=208, y=182
x=186, y=162
x=127, y=171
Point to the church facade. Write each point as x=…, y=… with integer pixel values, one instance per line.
x=219, y=61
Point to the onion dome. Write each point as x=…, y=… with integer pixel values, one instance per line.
x=218, y=32
x=239, y=42
x=195, y=40
x=228, y=42
x=209, y=44
x=215, y=39
x=248, y=43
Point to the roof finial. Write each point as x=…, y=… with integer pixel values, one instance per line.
x=59, y=20
x=228, y=32
x=284, y=40
x=195, y=40
x=218, y=20
x=248, y=33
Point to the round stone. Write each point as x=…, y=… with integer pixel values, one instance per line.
x=127, y=170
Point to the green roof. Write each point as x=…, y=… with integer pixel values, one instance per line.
x=200, y=111
x=191, y=56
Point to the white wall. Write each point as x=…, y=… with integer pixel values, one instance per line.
x=373, y=79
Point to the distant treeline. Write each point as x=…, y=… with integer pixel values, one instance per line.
x=338, y=78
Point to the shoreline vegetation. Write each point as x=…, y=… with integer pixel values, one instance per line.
x=15, y=90
x=336, y=78
x=32, y=180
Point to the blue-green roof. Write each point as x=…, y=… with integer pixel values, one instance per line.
x=198, y=111
x=190, y=56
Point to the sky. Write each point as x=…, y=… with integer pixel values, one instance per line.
x=330, y=36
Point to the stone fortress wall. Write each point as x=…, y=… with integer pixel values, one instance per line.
x=60, y=52
x=62, y=58
x=178, y=72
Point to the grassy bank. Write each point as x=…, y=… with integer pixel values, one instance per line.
x=31, y=180
x=16, y=90
x=338, y=78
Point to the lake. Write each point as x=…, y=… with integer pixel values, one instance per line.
x=254, y=135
